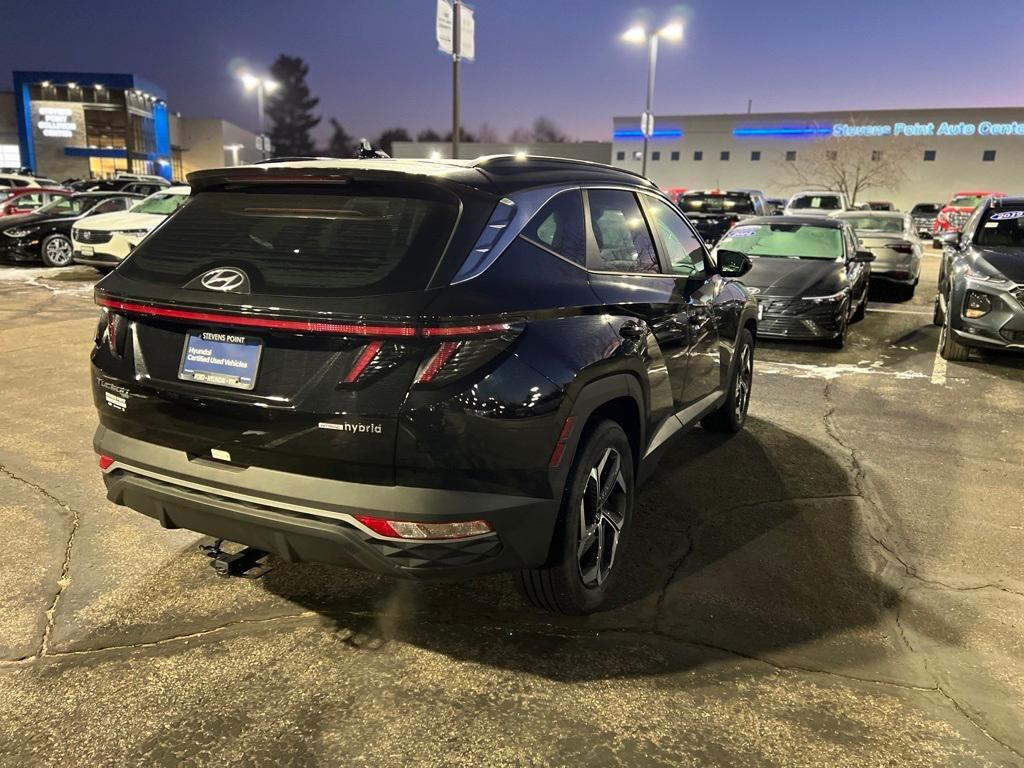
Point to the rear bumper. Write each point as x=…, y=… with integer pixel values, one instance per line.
x=304, y=518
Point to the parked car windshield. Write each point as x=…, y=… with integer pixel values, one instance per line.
x=68, y=206
x=709, y=202
x=787, y=241
x=925, y=208
x=1001, y=227
x=816, y=202
x=968, y=201
x=877, y=223
x=368, y=239
x=161, y=204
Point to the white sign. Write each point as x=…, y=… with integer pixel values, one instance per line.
x=467, y=33
x=445, y=26
x=263, y=144
x=647, y=124
x=56, y=122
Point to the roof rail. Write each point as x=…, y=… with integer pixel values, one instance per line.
x=489, y=161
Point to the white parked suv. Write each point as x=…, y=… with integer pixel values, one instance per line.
x=816, y=203
x=103, y=241
x=17, y=180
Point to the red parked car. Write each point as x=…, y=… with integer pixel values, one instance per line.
x=14, y=202
x=953, y=215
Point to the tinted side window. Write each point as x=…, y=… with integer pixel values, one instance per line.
x=624, y=243
x=559, y=226
x=108, y=206
x=684, y=251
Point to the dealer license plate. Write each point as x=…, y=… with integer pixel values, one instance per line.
x=87, y=250
x=222, y=359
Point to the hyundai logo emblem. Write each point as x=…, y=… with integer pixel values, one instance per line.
x=753, y=290
x=225, y=279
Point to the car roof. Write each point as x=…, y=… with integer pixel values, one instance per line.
x=36, y=190
x=720, y=192
x=827, y=222
x=107, y=193
x=862, y=214
x=815, y=193
x=499, y=174
x=998, y=202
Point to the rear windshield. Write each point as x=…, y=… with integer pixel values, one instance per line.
x=876, y=223
x=815, y=202
x=793, y=241
x=1001, y=227
x=926, y=208
x=361, y=240
x=162, y=204
x=710, y=203
x=966, y=201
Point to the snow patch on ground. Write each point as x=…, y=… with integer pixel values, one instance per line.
x=830, y=372
x=73, y=281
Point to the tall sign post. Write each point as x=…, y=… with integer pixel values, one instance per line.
x=455, y=28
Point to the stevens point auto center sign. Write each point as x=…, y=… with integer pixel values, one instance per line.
x=983, y=128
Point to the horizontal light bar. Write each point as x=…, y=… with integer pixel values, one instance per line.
x=806, y=131
x=667, y=133
x=306, y=326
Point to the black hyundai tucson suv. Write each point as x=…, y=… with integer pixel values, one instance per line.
x=423, y=369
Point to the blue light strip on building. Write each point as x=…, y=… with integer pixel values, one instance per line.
x=668, y=133
x=805, y=131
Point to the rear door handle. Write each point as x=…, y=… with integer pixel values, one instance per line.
x=631, y=330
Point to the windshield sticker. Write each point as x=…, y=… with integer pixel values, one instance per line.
x=1006, y=215
x=743, y=232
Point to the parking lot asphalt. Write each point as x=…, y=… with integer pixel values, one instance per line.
x=841, y=584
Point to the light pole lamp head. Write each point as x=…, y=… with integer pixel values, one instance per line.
x=249, y=80
x=673, y=32
x=636, y=34
x=270, y=85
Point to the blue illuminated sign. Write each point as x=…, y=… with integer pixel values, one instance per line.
x=667, y=133
x=800, y=131
x=852, y=130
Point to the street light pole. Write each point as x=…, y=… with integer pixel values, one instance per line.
x=456, y=22
x=648, y=118
x=259, y=123
x=262, y=86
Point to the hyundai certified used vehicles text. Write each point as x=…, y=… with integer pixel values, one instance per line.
x=45, y=234
x=980, y=300
x=810, y=276
x=923, y=216
x=891, y=238
x=952, y=215
x=714, y=211
x=420, y=368
x=816, y=204
x=103, y=241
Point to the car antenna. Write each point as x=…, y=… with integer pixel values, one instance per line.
x=367, y=152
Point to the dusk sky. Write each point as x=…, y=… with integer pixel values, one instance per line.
x=374, y=64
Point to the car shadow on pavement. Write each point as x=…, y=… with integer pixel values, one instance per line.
x=754, y=544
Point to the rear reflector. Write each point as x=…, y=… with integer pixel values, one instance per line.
x=105, y=461
x=365, y=358
x=402, y=529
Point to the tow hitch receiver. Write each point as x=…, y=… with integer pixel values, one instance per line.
x=244, y=563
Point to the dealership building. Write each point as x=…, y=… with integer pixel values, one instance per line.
x=92, y=125
x=940, y=151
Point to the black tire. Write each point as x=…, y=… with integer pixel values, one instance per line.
x=937, y=318
x=577, y=578
x=858, y=313
x=839, y=340
x=732, y=414
x=949, y=347
x=57, y=251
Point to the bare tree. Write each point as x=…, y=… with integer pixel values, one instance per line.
x=521, y=136
x=486, y=134
x=851, y=165
x=545, y=130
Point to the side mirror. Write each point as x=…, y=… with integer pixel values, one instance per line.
x=733, y=263
x=950, y=240
x=863, y=257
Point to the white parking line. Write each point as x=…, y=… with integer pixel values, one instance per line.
x=925, y=313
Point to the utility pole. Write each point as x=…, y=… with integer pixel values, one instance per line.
x=456, y=22
x=648, y=118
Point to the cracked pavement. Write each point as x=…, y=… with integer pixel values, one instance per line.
x=840, y=585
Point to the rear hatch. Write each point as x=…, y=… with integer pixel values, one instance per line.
x=281, y=325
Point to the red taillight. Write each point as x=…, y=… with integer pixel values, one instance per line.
x=365, y=358
x=465, y=330
x=433, y=366
x=403, y=529
x=105, y=461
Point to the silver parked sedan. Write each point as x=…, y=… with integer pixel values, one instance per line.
x=890, y=236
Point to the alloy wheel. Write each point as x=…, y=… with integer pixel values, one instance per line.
x=744, y=379
x=602, y=515
x=58, y=252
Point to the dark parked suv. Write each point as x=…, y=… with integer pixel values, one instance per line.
x=424, y=369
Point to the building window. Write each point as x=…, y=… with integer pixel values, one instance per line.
x=724, y=155
x=876, y=155
x=675, y=156
x=655, y=156
x=620, y=155
x=10, y=156
x=988, y=156
x=831, y=155
x=790, y=155
x=698, y=156
x=755, y=156
x=929, y=155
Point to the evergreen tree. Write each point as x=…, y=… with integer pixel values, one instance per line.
x=389, y=137
x=341, y=143
x=290, y=108
x=428, y=135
